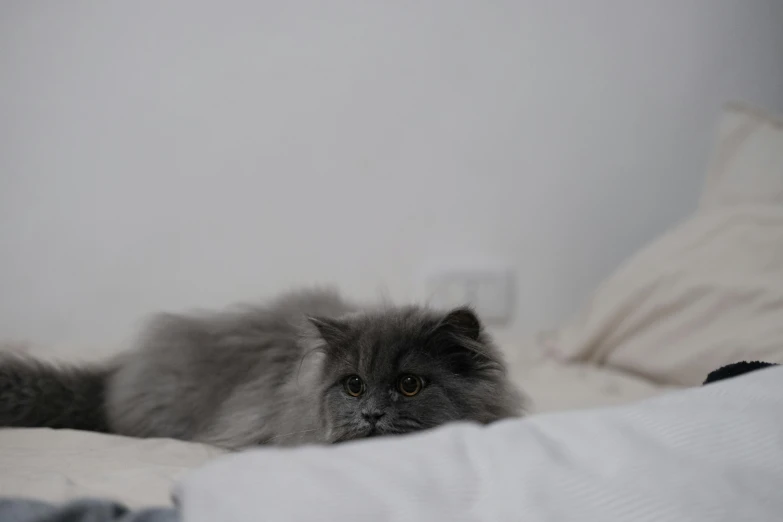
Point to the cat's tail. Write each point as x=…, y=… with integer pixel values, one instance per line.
x=34, y=394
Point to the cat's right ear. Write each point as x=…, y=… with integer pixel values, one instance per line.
x=332, y=331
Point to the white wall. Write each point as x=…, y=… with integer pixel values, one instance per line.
x=160, y=155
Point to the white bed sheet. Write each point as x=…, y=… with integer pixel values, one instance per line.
x=713, y=453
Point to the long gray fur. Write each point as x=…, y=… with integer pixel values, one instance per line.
x=274, y=374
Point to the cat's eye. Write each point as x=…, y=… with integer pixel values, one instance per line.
x=409, y=385
x=354, y=385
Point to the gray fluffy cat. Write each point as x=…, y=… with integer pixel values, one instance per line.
x=307, y=368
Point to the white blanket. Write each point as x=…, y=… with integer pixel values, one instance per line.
x=705, y=454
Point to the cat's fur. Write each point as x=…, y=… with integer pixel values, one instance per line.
x=274, y=375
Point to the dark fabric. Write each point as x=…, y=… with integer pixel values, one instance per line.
x=732, y=370
x=20, y=510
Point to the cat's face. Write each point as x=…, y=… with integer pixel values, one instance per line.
x=409, y=369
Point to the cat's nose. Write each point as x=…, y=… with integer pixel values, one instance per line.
x=373, y=416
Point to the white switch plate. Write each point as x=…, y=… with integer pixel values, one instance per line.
x=490, y=287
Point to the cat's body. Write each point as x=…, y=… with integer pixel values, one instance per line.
x=284, y=373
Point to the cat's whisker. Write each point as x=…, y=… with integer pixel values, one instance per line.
x=283, y=435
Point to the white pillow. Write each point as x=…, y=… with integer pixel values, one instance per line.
x=712, y=454
x=709, y=292
x=747, y=166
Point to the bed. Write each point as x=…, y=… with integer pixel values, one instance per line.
x=63, y=465
x=707, y=293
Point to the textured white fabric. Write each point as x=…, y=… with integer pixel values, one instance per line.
x=551, y=385
x=708, y=293
x=705, y=454
x=747, y=166
x=62, y=465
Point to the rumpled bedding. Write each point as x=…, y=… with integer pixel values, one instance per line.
x=714, y=452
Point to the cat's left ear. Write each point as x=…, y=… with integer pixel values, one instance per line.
x=462, y=322
x=332, y=331
x=458, y=337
